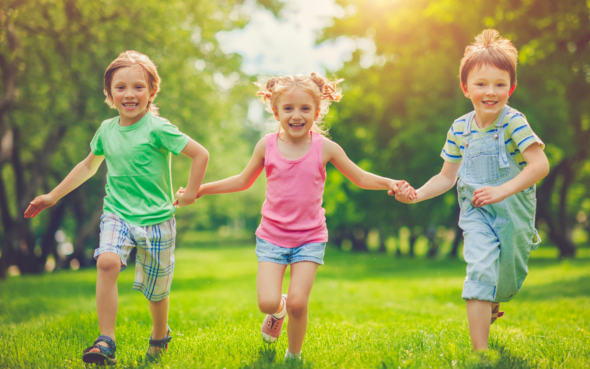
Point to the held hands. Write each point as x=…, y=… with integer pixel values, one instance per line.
x=403, y=192
x=488, y=195
x=182, y=199
x=40, y=203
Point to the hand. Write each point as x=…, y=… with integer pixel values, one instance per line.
x=488, y=195
x=182, y=200
x=40, y=203
x=406, y=193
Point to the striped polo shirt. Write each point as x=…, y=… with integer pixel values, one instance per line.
x=518, y=135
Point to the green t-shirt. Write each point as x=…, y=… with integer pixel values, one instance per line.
x=139, y=180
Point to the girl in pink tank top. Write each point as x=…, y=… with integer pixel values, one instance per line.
x=293, y=226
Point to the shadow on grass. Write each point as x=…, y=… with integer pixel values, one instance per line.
x=557, y=290
x=267, y=357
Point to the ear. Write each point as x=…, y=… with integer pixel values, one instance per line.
x=274, y=111
x=511, y=90
x=465, y=92
x=317, y=115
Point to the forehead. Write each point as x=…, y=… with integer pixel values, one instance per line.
x=488, y=71
x=133, y=73
x=295, y=96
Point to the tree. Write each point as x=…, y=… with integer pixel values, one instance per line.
x=52, y=58
x=401, y=99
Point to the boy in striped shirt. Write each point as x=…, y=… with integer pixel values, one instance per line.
x=497, y=159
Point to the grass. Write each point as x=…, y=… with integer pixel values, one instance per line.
x=366, y=311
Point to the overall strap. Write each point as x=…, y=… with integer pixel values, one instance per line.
x=467, y=129
x=502, y=151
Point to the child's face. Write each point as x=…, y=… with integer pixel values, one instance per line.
x=296, y=111
x=488, y=88
x=131, y=94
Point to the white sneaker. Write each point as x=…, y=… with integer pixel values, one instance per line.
x=292, y=356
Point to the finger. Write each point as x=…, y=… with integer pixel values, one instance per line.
x=391, y=193
x=36, y=212
x=30, y=211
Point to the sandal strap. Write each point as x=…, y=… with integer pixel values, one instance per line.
x=108, y=351
x=163, y=342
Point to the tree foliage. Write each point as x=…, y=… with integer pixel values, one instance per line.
x=53, y=54
x=403, y=94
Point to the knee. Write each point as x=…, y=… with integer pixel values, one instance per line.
x=296, y=308
x=109, y=262
x=268, y=306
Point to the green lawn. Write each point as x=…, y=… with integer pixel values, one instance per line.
x=366, y=311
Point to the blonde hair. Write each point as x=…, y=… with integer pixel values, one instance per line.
x=489, y=49
x=322, y=90
x=129, y=59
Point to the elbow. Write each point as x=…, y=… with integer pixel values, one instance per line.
x=205, y=155
x=202, y=156
x=546, y=168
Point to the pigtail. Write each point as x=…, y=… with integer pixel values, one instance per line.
x=328, y=89
x=265, y=91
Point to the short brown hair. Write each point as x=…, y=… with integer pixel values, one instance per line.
x=489, y=49
x=129, y=59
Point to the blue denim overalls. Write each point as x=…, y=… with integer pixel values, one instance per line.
x=498, y=237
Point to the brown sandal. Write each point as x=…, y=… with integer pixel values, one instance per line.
x=496, y=313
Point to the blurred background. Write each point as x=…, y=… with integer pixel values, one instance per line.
x=400, y=61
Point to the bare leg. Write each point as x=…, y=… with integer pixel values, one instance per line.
x=269, y=286
x=302, y=278
x=159, y=310
x=479, y=315
x=107, y=299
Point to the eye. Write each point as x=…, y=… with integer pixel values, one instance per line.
x=501, y=85
x=480, y=84
x=288, y=108
x=120, y=88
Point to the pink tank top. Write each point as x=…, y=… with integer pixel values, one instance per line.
x=292, y=214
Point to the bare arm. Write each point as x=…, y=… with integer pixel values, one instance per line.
x=80, y=174
x=333, y=153
x=242, y=181
x=200, y=158
x=437, y=185
x=537, y=168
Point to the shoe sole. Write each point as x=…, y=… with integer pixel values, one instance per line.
x=98, y=359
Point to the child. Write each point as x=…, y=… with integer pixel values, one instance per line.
x=138, y=208
x=293, y=227
x=498, y=159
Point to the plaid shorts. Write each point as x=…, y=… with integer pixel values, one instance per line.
x=154, y=264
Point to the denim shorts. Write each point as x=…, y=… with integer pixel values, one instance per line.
x=154, y=263
x=266, y=251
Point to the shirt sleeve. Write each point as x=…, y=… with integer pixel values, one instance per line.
x=96, y=143
x=451, y=151
x=171, y=139
x=520, y=133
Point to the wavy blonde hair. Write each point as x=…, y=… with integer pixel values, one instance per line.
x=489, y=48
x=322, y=90
x=129, y=59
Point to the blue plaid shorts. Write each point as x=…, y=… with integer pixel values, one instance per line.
x=154, y=264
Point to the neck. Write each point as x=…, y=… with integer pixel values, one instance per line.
x=484, y=120
x=124, y=121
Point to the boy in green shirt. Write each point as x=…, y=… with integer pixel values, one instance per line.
x=138, y=208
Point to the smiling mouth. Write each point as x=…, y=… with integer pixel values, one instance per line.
x=130, y=105
x=489, y=103
x=296, y=125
